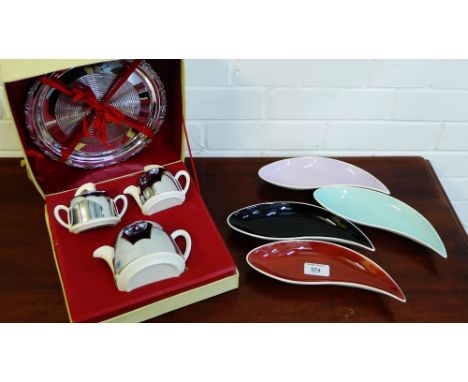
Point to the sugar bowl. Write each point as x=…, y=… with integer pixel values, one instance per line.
x=91, y=209
x=158, y=189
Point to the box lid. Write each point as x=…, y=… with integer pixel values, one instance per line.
x=14, y=70
x=51, y=176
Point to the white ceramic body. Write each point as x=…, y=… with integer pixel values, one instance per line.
x=146, y=261
x=168, y=192
x=107, y=214
x=159, y=242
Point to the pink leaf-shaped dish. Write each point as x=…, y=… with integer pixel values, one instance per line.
x=308, y=262
x=306, y=173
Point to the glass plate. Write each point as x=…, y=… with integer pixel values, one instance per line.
x=52, y=116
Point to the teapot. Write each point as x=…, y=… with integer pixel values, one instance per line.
x=158, y=189
x=144, y=253
x=90, y=209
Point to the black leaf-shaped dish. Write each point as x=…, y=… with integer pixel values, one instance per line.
x=296, y=221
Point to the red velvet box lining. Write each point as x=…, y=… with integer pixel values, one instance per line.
x=165, y=148
x=88, y=282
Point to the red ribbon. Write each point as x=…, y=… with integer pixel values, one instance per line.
x=121, y=80
x=101, y=111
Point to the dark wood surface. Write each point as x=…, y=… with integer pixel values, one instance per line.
x=436, y=288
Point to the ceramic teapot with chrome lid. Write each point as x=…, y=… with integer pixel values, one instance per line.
x=91, y=209
x=158, y=189
x=143, y=254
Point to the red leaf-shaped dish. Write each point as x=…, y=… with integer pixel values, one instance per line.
x=309, y=262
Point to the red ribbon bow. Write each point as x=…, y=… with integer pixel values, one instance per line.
x=101, y=111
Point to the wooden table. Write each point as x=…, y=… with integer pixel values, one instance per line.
x=436, y=288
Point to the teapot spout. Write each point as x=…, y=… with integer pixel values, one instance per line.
x=106, y=253
x=135, y=192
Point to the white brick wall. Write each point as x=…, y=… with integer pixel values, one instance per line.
x=327, y=107
x=329, y=104
x=457, y=189
x=431, y=105
x=462, y=210
x=454, y=137
x=279, y=73
x=401, y=73
x=229, y=104
x=381, y=136
x=264, y=135
x=337, y=73
x=218, y=73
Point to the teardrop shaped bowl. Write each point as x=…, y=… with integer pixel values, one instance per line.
x=284, y=220
x=378, y=210
x=306, y=173
x=308, y=262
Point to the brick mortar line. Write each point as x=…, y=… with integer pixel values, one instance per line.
x=346, y=88
x=337, y=152
x=344, y=121
x=335, y=120
x=300, y=121
x=343, y=152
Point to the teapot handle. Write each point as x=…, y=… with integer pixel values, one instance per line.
x=186, y=175
x=57, y=210
x=188, y=241
x=123, y=198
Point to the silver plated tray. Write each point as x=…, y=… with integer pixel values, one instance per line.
x=52, y=116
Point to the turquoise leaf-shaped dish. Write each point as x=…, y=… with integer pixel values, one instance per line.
x=378, y=210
